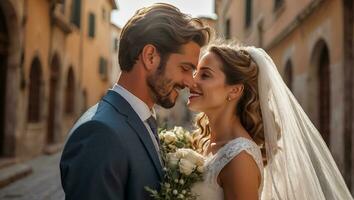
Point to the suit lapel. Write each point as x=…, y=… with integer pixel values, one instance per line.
x=145, y=138
x=123, y=107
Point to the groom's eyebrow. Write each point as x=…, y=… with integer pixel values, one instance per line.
x=190, y=65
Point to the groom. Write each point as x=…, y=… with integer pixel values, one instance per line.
x=112, y=151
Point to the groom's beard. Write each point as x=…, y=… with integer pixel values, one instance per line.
x=162, y=87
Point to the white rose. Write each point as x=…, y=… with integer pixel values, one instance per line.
x=186, y=167
x=191, y=156
x=189, y=137
x=172, y=159
x=161, y=136
x=172, y=146
x=179, y=132
x=181, y=153
x=195, y=158
x=200, y=169
x=169, y=137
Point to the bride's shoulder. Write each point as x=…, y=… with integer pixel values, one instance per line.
x=242, y=158
x=239, y=149
x=241, y=174
x=240, y=144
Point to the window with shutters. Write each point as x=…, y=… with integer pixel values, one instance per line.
x=76, y=13
x=104, y=14
x=91, y=31
x=228, y=29
x=116, y=44
x=278, y=4
x=102, y=68
x=248, y=13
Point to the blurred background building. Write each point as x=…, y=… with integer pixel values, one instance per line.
x=115, y=71
x=312, y=44
x=55, y=60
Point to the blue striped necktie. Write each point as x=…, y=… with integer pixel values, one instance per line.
x=153, y=125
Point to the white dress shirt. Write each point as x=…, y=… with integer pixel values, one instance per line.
x=141, y=109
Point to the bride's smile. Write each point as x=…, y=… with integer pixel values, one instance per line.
x=209, y=90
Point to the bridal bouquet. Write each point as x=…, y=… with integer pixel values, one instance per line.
x=183, y=165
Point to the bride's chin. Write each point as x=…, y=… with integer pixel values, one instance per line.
x=193, y=107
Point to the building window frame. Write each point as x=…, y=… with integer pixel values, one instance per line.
x=278, y=4
x=248, y=13
x=91, y=25
x=103, y=68
x=75, y=17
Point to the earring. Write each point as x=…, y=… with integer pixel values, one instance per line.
x=229, y=98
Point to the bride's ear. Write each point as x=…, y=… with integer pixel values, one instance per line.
x=236, y=92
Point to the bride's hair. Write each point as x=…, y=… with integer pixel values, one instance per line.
x=238, y=68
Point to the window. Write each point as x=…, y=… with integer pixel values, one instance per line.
x=116, y=44
x=62, y=6
x=104, y=14
x=228, y=29
x=103, y=68
x=248, y=13
x=288, y=74
x=76, y=13
x=70, y=92
x=91, y=27
x=278, y=4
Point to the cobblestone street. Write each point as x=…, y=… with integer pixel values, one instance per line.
x=42, y=184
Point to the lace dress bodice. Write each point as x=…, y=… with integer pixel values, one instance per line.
x=209, y=189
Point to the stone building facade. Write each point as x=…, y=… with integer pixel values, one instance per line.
x=115, y=71
x=311, y=42
x=54, y=60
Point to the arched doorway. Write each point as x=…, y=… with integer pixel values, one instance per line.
x=10, y=56
x=324, y=94
x=288, y=74
x=54, y=79
x=84, y=101
x=3, y=76
x=34, y=97
x=70, y=93
x=319, y=89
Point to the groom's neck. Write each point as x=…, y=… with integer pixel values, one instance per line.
x=134, y=82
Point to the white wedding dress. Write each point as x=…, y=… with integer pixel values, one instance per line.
x=209, y=189
x=299, y=163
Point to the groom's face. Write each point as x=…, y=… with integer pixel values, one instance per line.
x=173, y=74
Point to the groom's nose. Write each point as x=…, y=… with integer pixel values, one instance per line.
x=188, y=81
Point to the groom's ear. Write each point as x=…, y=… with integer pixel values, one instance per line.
x=150, y=57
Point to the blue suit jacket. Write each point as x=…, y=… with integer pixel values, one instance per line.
x=109, y=154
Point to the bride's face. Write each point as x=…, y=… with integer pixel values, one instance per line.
x=209, y=91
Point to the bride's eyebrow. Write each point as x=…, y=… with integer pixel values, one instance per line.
x=206, y=68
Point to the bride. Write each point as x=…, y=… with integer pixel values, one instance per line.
x=259, y=142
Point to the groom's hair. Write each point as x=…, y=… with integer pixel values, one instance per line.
x=163, y=26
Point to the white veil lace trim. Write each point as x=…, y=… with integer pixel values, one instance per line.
x=300, y=166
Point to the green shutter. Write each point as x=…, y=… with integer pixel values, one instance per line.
x=103, y=68
x=248, y=13
x=91, y=25
x=76, y=13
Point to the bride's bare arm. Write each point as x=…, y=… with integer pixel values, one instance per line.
x=240, y=178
